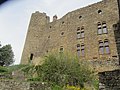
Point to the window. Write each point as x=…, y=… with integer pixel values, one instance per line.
x=115, y=27
x=101, y=49
x=80, y=17
x=78, y=35
x=99, y=11
x=78, y=29
x=107, y=49
x=99, y=28
x=31, y=56
x=63, y=22
x=102, y=28
x=78, y=53
x=80, y=50
x=80, y=32
x=104, y=47
x=99, y=31
x=61, y=49
x=62, y=33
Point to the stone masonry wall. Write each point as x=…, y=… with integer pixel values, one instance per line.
x=109, y=80
x=44, y=36
x=16, y=85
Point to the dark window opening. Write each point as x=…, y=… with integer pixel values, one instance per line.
x=31, y=56
x=115, y=27
x=62, y=33
x=80, y=17
x=99, y=11
x=114, y=56
x=63, y=22
x=61, y=49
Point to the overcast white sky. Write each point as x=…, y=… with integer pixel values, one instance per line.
x=15, y=16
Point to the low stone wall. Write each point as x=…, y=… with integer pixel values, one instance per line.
x=16, y=85
x=104, y=65
x=109, y=80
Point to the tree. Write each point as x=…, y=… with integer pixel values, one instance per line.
x=6, y=55
x=62, y=69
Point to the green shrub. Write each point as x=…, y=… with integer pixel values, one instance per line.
x=56, y=87
x=61, y=69
x=3, y=69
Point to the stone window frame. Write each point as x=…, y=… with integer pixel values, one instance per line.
x=80, y=32
x=80, y=50
x=102, y=28
x=104, y=47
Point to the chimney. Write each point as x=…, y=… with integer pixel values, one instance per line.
x=54, y=17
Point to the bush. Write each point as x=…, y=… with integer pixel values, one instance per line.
x=61, y=69
x=3, y=69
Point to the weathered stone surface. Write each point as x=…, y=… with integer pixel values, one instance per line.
x=109, y=80
x=18, y=85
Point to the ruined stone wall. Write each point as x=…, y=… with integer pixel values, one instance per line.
x=16, y=85
x=44, y=36
x=109, y=80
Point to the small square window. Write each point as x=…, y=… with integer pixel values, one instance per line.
x=63, y=22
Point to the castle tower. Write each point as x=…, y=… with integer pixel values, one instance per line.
x=35, y=31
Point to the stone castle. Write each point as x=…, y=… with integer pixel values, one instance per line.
x=91, y=32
